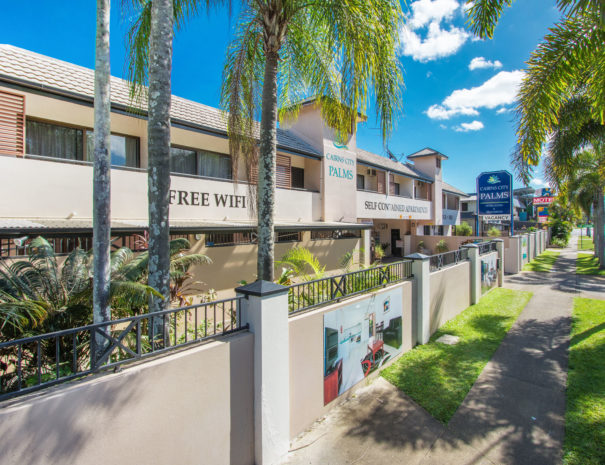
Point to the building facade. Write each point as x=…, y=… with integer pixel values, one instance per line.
x=330, y=196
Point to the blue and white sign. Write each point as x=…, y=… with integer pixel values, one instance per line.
x=495, y=194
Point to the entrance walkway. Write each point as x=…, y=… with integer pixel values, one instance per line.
x=514, y=414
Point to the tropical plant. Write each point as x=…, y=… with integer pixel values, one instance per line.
x=420, y=247
x=101, y=222
x=303, y=263
x=441, y=246
x=378, y=252
x=568, y=63
x=493, y=232
x=464, y=229
x=339, y=52
x=53, y=296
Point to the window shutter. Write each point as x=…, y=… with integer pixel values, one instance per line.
x=391, y=184
x=283, y=173
x=380, y=180
x=12, y=123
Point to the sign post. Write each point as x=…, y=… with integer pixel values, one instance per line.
x=495, y=196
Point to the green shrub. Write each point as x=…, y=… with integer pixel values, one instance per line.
x=378, y=252
x=442, y=246
x=493, y=232
x=558, y=242
x=464, y=229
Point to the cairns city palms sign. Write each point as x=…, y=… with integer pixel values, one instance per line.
x=495, y=196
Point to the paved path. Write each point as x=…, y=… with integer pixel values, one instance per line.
x=514, y=414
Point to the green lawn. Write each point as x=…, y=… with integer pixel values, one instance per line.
x=438, y=376
x=588, y=264
x=585, y=415
x=542, y=262
x=585, y=243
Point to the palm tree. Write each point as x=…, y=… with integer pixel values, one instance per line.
x=570, y=58
x=40, y=294
x=102, y=172
x=150, y=55
x=339, y=52
x=582, y=177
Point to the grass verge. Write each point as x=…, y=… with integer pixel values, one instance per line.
x=438, y=376
x=585, y=415
x=585, y=243
x=542, y=262
x=587, y=263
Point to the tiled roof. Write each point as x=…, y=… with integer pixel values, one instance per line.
x=54, y=75
x=391, y=165
x=453, y=190
x=427, y=152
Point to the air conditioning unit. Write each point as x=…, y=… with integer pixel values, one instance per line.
x=371, y=172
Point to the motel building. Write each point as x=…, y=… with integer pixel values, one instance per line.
x=331, y=198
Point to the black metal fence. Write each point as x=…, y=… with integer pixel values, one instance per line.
x=310, y=294
x=35, y=362
x=487, y=247
x=446, y=259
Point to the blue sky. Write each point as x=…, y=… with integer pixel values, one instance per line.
x=462, y=112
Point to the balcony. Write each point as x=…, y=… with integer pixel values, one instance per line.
x=383, y=206
x=48, y=188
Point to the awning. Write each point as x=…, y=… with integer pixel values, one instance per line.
x=62, y=226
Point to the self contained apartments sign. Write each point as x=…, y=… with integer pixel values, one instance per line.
x=371, y=205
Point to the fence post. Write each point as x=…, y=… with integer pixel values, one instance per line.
x=422, y=276
x=366, y=245
x=473, y=255
x=500, y=249
x=265, y=309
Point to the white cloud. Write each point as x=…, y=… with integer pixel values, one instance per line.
x=427, y=11
x=503, y=110
x=443, y=126
x=481, y=63
x=466, y=127
x=536, y=182
x=438, y=41
x=496, y=91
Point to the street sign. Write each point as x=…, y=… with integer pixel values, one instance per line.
x=496, y=217
x=495, y=193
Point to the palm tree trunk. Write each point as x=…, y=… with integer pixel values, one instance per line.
x=600, y=230
x=266, y=170
x=158, y=127
x=101, y=222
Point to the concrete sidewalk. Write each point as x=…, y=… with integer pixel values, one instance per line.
x=514, y=414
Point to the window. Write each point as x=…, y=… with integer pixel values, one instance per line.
x=439, y=230
x=283, y=173
x=438, y=162
x=361, y=182
x=285, y=236
x=200, y=163
x=335, y=234
x=183, y=161
x=215, y=165
x=223, y=239
x=124, y=150
x=396, y=188
x=298, y=178
x=67, y=143
x=427, y=230
x=465, y=207
x=52, y=140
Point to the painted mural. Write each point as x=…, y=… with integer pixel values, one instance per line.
x=489, y=272
x=359, y=338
